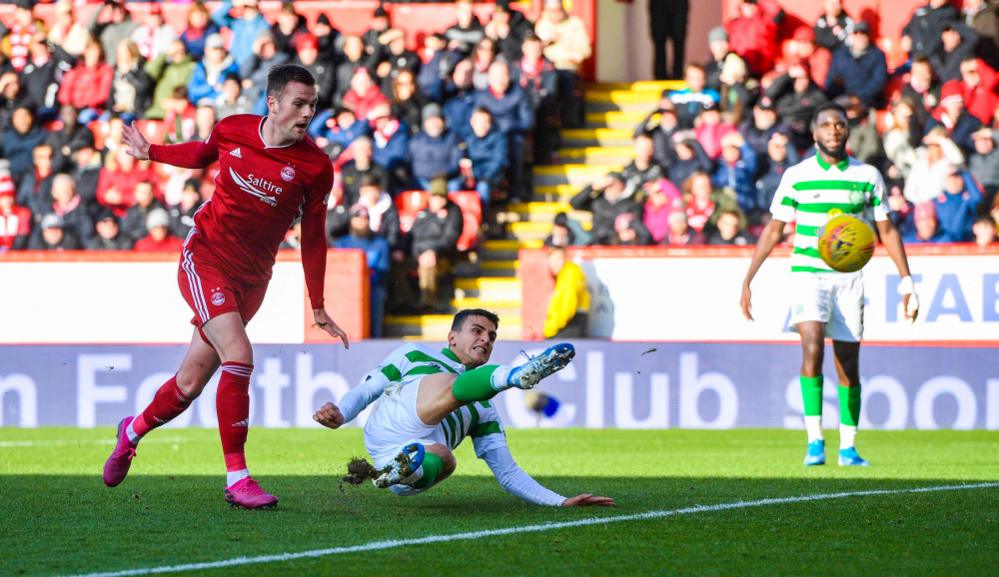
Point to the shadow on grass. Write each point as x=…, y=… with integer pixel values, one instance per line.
x=73, y=524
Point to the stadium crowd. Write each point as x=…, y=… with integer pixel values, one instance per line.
x=473, y=109
x=708, y=160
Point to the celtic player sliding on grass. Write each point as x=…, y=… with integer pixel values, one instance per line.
x=825, y=302
x=431, y=401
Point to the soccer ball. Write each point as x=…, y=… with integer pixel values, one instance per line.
x=846, y=243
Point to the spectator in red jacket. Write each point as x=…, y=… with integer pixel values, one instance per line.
x=15, y=220
x=979, y=85
x=753, y=36
x=87, y=86
x=159, y=239
x=364, y=94
x=118, y=179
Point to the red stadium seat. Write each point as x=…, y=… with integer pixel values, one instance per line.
x=409, y=204
x=471, y=212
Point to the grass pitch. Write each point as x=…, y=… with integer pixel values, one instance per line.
x=57, y=518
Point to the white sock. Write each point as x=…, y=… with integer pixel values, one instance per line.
x=499, y=377
x=233, y=477
x=847, y=436
x=813, y=425
x=133, y=437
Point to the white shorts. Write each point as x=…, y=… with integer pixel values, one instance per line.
x=834, y=299
x=393, y=424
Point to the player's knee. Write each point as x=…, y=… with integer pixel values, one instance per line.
x=191, y=383
x=447, y=459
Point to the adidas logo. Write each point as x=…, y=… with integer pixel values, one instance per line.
x=243, y=423
x=235, y=152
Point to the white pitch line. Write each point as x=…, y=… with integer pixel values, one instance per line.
x=392, y=544
x=72, y=443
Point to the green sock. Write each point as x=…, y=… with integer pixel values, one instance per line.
x=811, y=393
x=849, y=405
x=475, y=385
x=432, y=465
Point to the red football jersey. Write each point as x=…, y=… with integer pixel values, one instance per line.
x=259, y=192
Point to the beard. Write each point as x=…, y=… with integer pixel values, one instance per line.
x=838, y=153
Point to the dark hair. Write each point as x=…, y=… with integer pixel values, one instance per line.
x=369, y=179
x=283, y=74
x=825, y=107
x=482, y=110
x=459, y=318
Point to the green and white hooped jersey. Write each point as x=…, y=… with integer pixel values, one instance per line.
x=478, y=420
x=813, y=191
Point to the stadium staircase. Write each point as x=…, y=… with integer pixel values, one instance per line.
x=488, y=279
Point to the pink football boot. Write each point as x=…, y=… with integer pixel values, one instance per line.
x=247, y=493
x=116, y=467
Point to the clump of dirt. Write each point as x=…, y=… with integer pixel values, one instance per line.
x=358, y=471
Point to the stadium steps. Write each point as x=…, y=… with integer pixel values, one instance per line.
x=590, y=137
x=620, y=119
x=542, y=211
x=489, y=278
x=596, y=155
x=577, y=175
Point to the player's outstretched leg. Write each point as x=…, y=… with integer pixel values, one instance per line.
x=485, y=382
x=168, y=403
x=550, y=361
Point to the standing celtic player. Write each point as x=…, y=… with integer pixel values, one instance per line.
x=431, y=401
x=825, y=302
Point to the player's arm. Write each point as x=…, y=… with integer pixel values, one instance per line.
x=769, y=238
x=314, y=252
x=516, y=481
x=186, y=155
x=892, y=241
x=371, y=387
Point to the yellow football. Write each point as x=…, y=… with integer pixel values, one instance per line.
x=846, y=243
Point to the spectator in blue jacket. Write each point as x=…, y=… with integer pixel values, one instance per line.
x=19, y=140
x=859, y=68
x=334, y=130
x=958, y=205
x=487, y=150
x=513, y=115
x=925, y=229
x=376, y=251
x=390, y=137
x=245, y=28
x=780, y=155
x=211, y=71
x=737, y=172
x=690, y=157
x=435, y=151
x=461, y=99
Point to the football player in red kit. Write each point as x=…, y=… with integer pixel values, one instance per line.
x=269, y=173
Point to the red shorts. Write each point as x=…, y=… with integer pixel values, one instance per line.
x=210, y=293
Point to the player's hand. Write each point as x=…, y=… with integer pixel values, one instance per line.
x=135, y=144
x=324, y=322
x=746, y=302
x=329, y=415
x=588, y=500
x=910, y=301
